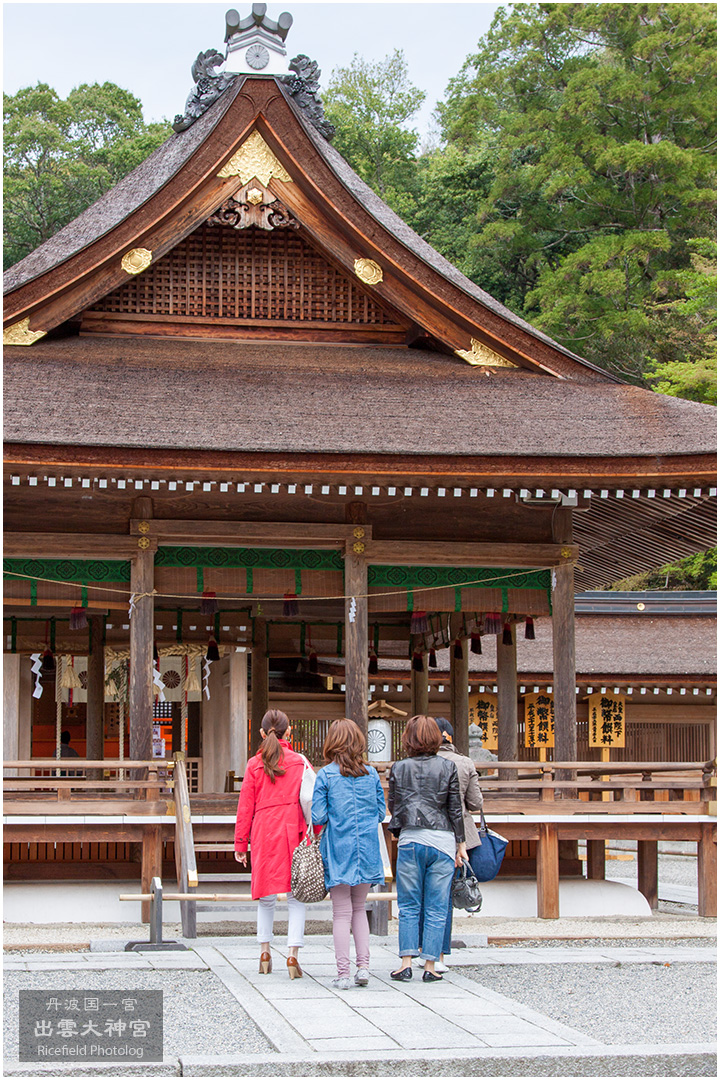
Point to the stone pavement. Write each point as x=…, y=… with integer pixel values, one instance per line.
x=456, y=1027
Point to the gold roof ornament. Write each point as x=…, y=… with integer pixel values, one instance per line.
x=480, y=355
x=21, y=334
x=255, y=159
x=136, y=260
x=368, y=271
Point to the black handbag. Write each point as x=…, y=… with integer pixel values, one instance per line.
x=465, y=890
x=487, y=859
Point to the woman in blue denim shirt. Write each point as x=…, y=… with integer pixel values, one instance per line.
x=348, y=799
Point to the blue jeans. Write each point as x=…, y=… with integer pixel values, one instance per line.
x=424, y=875
x=448, y=922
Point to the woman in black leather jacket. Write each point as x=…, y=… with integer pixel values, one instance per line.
x=427, y=815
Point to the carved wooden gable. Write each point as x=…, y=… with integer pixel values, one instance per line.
x=247, y=272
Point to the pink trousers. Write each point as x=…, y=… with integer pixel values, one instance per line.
x=348, y=903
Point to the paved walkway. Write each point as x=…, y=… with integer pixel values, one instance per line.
x=393, y=1028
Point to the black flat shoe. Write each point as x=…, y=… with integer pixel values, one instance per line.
x=403, y=975
x=430, y=976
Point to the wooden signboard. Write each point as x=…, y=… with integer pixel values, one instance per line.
x=606, y=720
x=482, y=710
x=539, y=720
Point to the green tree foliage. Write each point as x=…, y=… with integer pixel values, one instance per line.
x=62, y=155
x=599, y=120
x=371, y=106
x=695, y=572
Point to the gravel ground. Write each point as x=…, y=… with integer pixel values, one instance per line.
x=640, y=1003
x=218, y=1023
x=660, y=927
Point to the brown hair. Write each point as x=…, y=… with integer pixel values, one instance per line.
x=345, y=743
x=274, y=724
x=421, y=736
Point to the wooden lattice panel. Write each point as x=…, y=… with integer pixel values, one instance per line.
x=226, y=277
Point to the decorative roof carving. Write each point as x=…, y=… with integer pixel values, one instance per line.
x=479, y=355
x=21, y=334
x=265, y=213
x=304, y=86
x=257, y=43
x=368, y=271
x=255, y=159
x=209, y=86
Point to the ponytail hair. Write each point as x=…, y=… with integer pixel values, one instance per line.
x=274, y=724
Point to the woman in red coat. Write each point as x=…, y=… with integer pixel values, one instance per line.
x=270, y=817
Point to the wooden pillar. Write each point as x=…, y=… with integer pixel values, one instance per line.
x=563, y=623
x=95, y=723
x=548, y=873
x=259, y=670
x=238, y=713
x=17, y=713
x=707, y=871
x=648, y=871
x=596, y=860
x=459, y=704
x=142, y=578
x=356, y=634
x=507, y=703
x=151, y=864
x=419, y=689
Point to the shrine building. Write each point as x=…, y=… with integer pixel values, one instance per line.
x=261, y=440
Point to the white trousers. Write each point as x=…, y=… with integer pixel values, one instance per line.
x=296, y=920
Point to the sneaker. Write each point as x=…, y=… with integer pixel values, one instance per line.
x=341, y=983
x=362, y=977
x=439, y=967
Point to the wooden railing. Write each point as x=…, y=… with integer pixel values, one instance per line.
x=647, y=787
x=185, y=863
x=86, y=786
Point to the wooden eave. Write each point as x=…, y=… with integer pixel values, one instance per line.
x=329, y=212
x=497, y=471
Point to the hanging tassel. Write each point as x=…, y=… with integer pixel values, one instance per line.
x=458, y=649
x=492, y=623
x=419, y=622
x=156, y=654
x=69, y=679
x=475, y=642
x=417, y=661
x=290, y=605
x=432, y=658
x=529, y=629
x=191, y=684
x=209, y=604
x=373, y=663
x=213, y=653
x=48, y=661
x=78, y=618
x=313, y=663
x=507, y=634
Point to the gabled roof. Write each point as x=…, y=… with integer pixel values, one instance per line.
x=194, y=172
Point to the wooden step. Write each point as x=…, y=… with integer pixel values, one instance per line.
x=214, y=847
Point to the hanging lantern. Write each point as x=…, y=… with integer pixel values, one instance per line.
x=47, y=664
x=529, y=629
x=419, y=622
x=290, y=605
x=213, y=653
x=78, y=618
x=209, y=604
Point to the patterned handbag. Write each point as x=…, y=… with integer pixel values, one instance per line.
x=307, y=873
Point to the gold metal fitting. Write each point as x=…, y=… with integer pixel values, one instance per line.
x=143, y=527
x=359, y=533
x=143, y=543
x=358, y=547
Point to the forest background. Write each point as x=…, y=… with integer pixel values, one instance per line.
x=571, y=174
